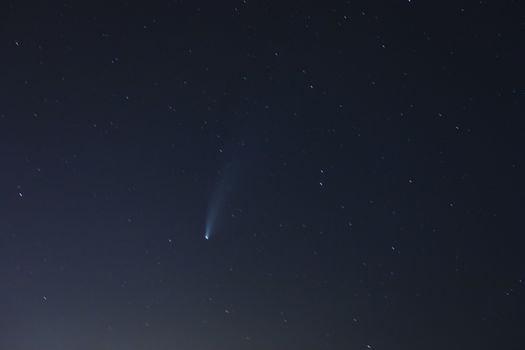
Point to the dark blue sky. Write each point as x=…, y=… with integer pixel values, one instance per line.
x=364, y=161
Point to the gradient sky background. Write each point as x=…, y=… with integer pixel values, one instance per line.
x=363, y=160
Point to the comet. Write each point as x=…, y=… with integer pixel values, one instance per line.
x=218, y=200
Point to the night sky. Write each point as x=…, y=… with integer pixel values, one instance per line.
x=265, y=175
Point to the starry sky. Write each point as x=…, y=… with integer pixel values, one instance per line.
x=255, y=174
